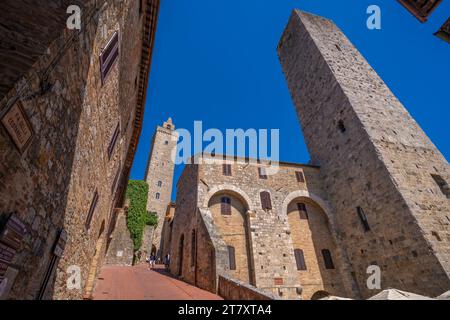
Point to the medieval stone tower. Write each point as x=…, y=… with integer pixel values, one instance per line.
x=387, y=183
x=159, y=176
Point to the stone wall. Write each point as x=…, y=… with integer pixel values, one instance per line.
x=120, y=250
x=73, y=115
x=231, y=289
x=373, y=155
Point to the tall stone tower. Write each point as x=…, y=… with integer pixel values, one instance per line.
x=387, y=183
x=159, y=176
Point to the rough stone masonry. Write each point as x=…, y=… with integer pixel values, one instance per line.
x=374, y=159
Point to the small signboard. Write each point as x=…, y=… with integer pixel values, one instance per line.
x=18, y=126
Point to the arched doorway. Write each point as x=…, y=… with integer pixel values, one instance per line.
x=180, y=256
x=315, y=252
x=94, y=264
x=229, y=211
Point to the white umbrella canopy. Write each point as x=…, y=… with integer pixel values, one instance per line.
x=395, y=294
x=444, y=296
x=335, y=298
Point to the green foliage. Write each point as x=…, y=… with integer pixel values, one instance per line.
x=137, y=191
x=152, y=219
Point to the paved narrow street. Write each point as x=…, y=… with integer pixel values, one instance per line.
x=140, y=283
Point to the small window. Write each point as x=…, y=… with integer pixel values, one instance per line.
x=226, y=168
x=266, y=203
x=166, y=142
x=300, y=259
x=92, y=210
x=443, y=185
x=300, y=176
x=262, y=173
x=159, y=183
x=232, y=257
x=303, y=212
x=158, y=195
x=109, y=56
x=116, y=179
x=193, y=248
x=363, y=219
x=225, y=206
x=341, y=126
x=113, y=141
x=327, y=259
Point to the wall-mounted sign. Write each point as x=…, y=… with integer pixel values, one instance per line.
x=18, y=126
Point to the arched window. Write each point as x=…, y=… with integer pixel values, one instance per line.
x=266, y=203
x=300, y=259
x=232, y=257
x=193, y=248
x=157, y=196
x=159, y=183
x=225, y=206
x=327, y=259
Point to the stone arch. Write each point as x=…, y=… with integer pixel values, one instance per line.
x=310, y=197
x=320, y=295
x=228, y=188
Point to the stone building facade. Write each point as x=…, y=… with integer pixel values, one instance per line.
x=166, y=233
x=386, y=182
x=375, y=194
x=159, y=176
x=224, y=227
x=71, y=110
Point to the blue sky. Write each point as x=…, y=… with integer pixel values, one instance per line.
x=216, y=61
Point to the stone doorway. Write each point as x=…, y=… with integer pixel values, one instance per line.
x=94, y=264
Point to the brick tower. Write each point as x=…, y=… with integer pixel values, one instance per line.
x=159, y=176
x=386, y=181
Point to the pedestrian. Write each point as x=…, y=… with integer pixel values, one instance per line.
x=167, y=261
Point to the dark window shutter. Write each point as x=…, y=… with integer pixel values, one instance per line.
x=300, y=259
x=92, y=210
x=327, y=259
x=262, y=173
x=232, y=257
x=300, y=176
x=225, y=206
x=363, y=218
x=113, y=141
x=226, y=169
x=302, y=209
x=266, y=203
x=109, y=55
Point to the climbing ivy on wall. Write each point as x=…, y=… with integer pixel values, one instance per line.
x=137, y=191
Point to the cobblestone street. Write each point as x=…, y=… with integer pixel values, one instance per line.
x=140, y=283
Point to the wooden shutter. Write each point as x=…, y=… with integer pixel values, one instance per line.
x=226, y=169
x=10, y=242
x=303, y=212
x=113, y=141
x=262, y=173
x=91, y=210
x=109, y=56
x=225, y=206
x=116, y=179
x=363, y=218
x=327, y=259
x=300, y=259
x=232, y=257
x=266, y=203
x=300, y=176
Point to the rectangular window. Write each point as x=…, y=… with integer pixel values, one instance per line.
x=266, y=203
x=232, y=257
x=109, y=56
x=300, y=176
x=262, y=173
x=226, y=169
x=302, y=209
x=327, y=259
x=363, y=218
x=113, y=141
x=116, y=179
x=225, y=206
x=91, y=210
x=300, y=259
x=443, y=185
